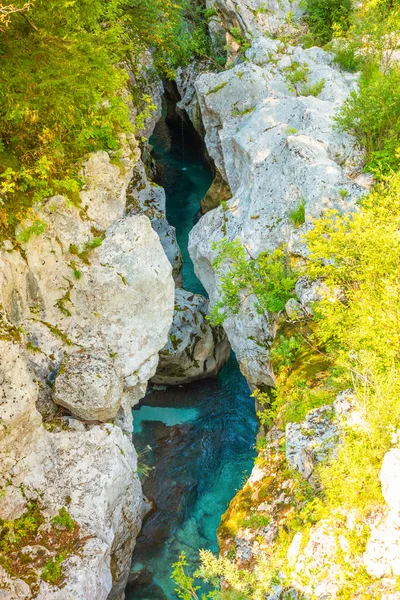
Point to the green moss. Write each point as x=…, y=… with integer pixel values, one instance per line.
x=217, y=88
x=52, y=570
x=58, y=333
x=242, y=113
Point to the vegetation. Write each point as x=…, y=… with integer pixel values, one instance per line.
x=54, y=541
x=269, y=278
x=65, y=64
x=298, y=215
x=351, y=339
x=326, y=16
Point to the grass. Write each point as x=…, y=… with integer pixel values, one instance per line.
x=313, y=90
x=298, y=215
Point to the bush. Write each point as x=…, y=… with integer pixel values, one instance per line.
x=360, y=331
x=372, y=115
x=269, y=278
x=323, y=16
x=64, y=80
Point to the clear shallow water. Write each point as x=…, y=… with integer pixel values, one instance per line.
x=202, y=435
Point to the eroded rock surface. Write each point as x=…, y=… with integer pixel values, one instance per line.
x=195, y=349
x=88, y=385
x=275, y=145
x=88, y=305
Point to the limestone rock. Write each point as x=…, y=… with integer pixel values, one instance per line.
x=146, y=197
x=275, y=148
x=93, y=471
x=256, y=17
x=382, y=555
x=219, y=192
x=88, y=385
x=167, y=235
x=311, y=441
x=195, y=349
x=104, y=192
x=93, y=291
x=390, y=479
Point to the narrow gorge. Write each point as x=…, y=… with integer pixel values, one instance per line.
x=199, y=300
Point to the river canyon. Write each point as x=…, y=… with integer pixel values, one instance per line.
x=202, y=435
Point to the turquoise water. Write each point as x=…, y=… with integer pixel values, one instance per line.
x=201, y=435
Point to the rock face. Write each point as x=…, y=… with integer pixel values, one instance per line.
x=275, y=145
x=91, y=471
x=88, y=385
x=382, y=555
x=84, y=310
x=219, y=192
x=195, y=349
x=311, y=441
x=256, y=17
x=146, y=197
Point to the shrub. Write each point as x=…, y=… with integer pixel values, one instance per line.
x=64, y=519
x=372, y=115
x=269, y=278
x=360, y=254
x=324, y=15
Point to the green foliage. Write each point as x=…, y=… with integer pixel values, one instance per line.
x=284, y=351
x=186, y=587
x=64, y=519
x=36, y=228
x=217, y=88
x=324, y=16
x=269, y=278
x=52, y=570
x=296, y=74
x=16, y=531
x=256, y=521
x=360, y=331
x=245, y=111
x=238, y=36
x=372, y=115
x=64, y=92
x=298, y=215
x=314, y=89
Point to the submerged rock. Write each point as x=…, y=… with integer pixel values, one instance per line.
x=195, y=349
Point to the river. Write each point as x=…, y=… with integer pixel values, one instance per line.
x=201, y=435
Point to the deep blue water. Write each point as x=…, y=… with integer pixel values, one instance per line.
x=201, y=435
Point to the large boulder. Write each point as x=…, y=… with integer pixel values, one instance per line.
x=88, y=385
x=147, y=198
x=195, y=349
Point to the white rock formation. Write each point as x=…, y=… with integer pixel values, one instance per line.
x=104, y=305
x=277, y=148
x=146, y=197
x=382, y=555
x=311, y=441
x=195, y=349
x=88, y=385
x=254, y=17
x=92, y=471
